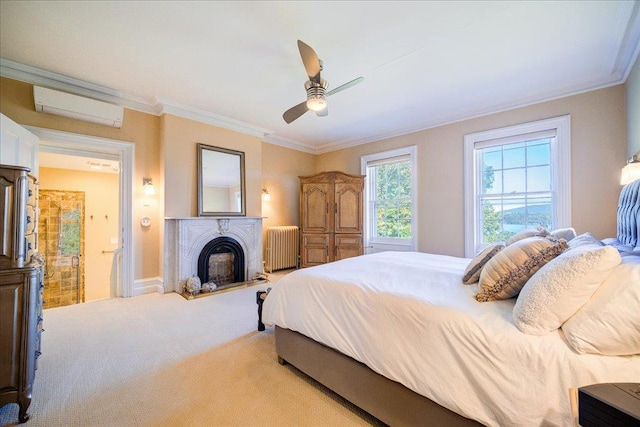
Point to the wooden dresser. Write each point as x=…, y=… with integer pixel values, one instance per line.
x=331, y=217
x=21, y=284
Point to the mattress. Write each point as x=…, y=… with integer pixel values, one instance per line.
x=409, y=317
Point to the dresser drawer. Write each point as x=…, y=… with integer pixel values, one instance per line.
x=31, y=246
x=32, y=192
x=30, y=226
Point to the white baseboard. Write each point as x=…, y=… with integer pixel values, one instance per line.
x=148, y=285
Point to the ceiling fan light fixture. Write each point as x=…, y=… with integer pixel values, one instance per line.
x=316, y=102
x=316, y=87
x=316, y=95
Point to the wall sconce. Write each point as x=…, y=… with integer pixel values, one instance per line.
x=148, y=187
x=631, y=171
x=149, y=191
x=266, y=197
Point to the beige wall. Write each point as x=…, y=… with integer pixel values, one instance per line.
x=598, y=151
x=165, y=150
x=633, y=110
x=16, y=102
x=180, y=139
x=101, y=221
x=280, y=170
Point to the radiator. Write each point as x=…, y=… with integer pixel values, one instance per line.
x=282, y=247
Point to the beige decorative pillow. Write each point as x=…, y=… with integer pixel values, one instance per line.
x=472, y=272
x=561, y=287
x=506, y=273
x=525, y=234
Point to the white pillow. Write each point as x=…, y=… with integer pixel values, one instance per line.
x=564, y=233
x=610, y=322
x=586, y=239
x=561, y=287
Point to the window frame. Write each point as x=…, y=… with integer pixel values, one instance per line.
x=560, y=173
x=371, y=244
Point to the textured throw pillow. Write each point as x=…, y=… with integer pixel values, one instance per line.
x=564, y=233
x=525, y=234
x=561, y=287
x=610, y=322
x=472, y=272
x=585, y=239
x=507, y=272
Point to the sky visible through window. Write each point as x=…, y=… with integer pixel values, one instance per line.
x=516, y=188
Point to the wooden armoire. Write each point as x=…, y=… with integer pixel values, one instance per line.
x=331, y=217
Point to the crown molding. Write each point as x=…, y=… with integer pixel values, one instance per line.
x=629, y=40
x=614, y=79
x=289, y=143
x=185, y=111
x=627, y=55
x=38, y=76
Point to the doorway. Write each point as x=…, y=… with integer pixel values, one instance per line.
x=78, y=227
x=120, y=242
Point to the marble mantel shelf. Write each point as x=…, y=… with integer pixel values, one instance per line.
x=182, y=218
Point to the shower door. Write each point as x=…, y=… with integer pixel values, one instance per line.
x=61, y=237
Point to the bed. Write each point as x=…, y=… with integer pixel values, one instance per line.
x=401, y=336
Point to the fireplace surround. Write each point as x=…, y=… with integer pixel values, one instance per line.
x=186, y=239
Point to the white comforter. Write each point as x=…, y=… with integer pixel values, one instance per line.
x=409, y=317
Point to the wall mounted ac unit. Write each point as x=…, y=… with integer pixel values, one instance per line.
x=77, y=107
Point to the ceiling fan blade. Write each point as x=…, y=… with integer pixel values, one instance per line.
x=323, y=113
x=310, y=61
x=294, y=112
x=346, y=86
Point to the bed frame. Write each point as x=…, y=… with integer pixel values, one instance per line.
x=387, y=400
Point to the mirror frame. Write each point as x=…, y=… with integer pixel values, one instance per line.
x=240, y=154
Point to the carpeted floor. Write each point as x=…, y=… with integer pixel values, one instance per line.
x=160, y=360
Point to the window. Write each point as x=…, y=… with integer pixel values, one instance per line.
x=390, y=211
x=69, y=237
x=516, y=178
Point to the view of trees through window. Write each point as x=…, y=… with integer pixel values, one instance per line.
x=392, y=199
x=516, y=188
x=70, y=233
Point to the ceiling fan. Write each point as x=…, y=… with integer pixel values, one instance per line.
x=316, y=86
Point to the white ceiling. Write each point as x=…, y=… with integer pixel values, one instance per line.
x=236, y=63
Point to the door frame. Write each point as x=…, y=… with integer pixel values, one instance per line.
x=61, y=142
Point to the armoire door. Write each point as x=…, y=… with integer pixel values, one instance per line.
x=348, y=207
x=316, y=249
x=316, y=208
x=347, y=246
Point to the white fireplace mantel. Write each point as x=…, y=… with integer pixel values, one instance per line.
x=186, y=237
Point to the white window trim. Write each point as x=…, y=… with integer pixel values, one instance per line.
x=560, y=179
x=392, y=244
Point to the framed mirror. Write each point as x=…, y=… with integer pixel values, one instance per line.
x=221, y=190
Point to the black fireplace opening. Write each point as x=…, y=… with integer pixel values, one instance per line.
x=221, y=261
